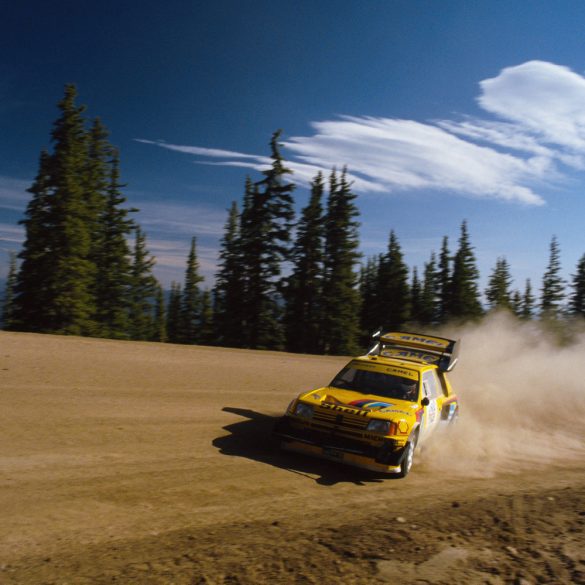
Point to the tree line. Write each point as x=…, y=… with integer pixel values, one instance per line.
x=84, y=267
x=299, y=285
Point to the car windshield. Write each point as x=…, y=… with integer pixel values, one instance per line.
x=377, y=383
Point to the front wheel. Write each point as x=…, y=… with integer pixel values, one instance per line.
x=408, y=457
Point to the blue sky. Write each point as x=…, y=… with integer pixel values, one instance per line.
x=442, y=110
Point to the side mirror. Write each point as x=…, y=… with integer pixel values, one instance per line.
x=425, y=401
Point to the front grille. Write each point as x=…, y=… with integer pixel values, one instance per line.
x=341, y=420
x=387, y=451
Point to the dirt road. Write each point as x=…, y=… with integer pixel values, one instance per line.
x=147, y=463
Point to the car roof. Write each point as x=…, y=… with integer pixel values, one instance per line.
x=392, y=361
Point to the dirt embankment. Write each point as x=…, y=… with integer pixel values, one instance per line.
x=147, y=463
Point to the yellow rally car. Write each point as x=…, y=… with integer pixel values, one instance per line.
x=379, y=407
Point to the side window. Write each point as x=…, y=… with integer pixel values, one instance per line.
x=431, y=385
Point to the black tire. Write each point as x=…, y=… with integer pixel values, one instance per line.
x=407, y=459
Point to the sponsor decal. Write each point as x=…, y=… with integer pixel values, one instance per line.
x=411, y=354
x=340, y=408
x=422, y=340
x=370, y=404
x=403, y=412
x=432, y=412
x=395, y=370
x=402, y=372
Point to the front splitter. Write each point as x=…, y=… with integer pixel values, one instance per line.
x=344, y=457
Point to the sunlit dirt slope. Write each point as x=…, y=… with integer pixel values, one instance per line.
x=127, y=462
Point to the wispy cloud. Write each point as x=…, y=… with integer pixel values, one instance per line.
x=11, y=233
x=13, y=193
x=171, y=259
x=215, y=152
x=11, y=239
x=404, y=154
x=182, y=220
x=532, y=133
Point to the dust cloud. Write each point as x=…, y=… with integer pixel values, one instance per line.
x=522, y=400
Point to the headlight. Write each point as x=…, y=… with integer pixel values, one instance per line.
x=304, y=410
x=379, y=426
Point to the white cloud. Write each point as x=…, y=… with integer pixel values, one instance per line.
x=541, y=97
x=535, y=134
x=403, y=154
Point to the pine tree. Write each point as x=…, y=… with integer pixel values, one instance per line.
x=498, y=290
x=54, y=292
x=340, y=299
x=370, y=319
x=277, y=194
x=577, y=302
x=160, y=323
x=206, y=325
x=429, y=311
x=552, y=284
x=444, y=281
x=516, y=303
x=71, y=303
x=229, y=284
x=8, y=306
x=527, y=301
x=305, y=283
x=265, y=238
x=143, y=291
x=75, y=269
x=248, y=247
x=112, y=258
x=96, y=180
x=464, y=294
x=394, y=292
x=32, y=294
x=415, y=297
x=174, y=314
x=191, y=302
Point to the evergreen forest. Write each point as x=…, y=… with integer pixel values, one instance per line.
x=284, y=282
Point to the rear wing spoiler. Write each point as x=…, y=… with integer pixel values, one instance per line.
x=424, y=349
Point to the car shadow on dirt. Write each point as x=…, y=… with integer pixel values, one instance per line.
x=252, y=438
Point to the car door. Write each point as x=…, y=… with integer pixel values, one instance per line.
x=430, y=390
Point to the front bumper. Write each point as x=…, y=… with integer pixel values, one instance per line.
x=383, y=455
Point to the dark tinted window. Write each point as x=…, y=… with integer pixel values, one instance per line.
x=376, y=383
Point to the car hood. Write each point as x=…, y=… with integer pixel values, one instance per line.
x=359, y=401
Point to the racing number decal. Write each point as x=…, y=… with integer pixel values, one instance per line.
x=431, y=416
x=432, y=412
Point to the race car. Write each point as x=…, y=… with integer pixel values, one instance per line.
x=379, y=407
